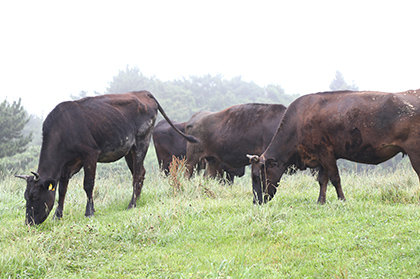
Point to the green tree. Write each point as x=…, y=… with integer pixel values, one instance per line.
x=339, y=83
x=130, y=79
x=13, y=119
x=81, y=95
x=182, y=98
x=34, y=127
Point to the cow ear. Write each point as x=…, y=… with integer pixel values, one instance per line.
x=50, y=185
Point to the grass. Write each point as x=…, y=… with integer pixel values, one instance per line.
x=202, y=229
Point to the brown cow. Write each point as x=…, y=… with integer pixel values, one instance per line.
x=81, y=133
x=317, y=129
x=227, y=136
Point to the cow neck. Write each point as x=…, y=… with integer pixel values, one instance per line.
x=281, y=146
x=50, y=165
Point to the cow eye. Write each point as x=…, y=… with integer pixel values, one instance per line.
x=271, y=163
x=33, y=197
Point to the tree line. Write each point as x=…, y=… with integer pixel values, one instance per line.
x=20, y=134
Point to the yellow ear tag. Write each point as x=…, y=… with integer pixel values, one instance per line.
x=51, y=188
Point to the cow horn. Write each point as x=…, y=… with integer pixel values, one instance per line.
x=36, y=175
x=23, y=177
x=253, y=158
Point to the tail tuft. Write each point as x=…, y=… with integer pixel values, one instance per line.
x=192, y=139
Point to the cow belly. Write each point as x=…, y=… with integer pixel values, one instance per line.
x=374, y=156
x=113, y=152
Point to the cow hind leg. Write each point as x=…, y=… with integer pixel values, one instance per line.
x=88, y=184
x=230, y=178
x=135, y=162
x=323, y=181
x=214, y=170
x=415, y=163
x=335, y=179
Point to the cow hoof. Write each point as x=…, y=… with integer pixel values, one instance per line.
x=58, y=215
x=130, y=206
x=57, y=218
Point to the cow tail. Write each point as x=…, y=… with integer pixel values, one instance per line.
x=187, y=137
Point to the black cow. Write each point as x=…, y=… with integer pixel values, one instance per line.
x=227, y=136
x=81, y=133
x=317, y=129
x=169, y=144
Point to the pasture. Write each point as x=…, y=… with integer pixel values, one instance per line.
x=201, y=229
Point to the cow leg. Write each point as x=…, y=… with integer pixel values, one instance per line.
x=88, y=184
x=194, y=159
x=134, y=161
x=62, y=190
x=323, y=181
x=334, y=177
x=230, y=177
x=329, y=172
x=415, y=163
x=165, y=167
x=214, y=170
x=336, y=181
x=192, y=163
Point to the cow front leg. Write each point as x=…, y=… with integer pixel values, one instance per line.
x=62, y=190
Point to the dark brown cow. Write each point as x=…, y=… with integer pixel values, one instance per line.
x=168, y=144
x=81, y=133
x=227, y=136
x=318, y=129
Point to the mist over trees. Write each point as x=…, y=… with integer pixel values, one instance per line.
x=182, y=98
x=338, y=83
x=13, y=119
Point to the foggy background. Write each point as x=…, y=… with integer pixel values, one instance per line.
x=51, y=49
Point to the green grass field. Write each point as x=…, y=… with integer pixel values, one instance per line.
x=202, y=229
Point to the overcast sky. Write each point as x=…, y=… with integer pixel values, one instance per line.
x=52, y=49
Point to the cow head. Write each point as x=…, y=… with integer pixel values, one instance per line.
x=266, y=173
x=39, y=196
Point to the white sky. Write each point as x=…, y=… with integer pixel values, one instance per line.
x=52, y=49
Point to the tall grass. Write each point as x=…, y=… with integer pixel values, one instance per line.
x=200, y=228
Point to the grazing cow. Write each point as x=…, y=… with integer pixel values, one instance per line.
x=317, y=129
x=81, y=133
x=227, y=136
x=169, y=144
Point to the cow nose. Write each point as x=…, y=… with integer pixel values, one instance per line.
x=30, y=220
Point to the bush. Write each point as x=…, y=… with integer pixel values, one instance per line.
x=20, y=163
